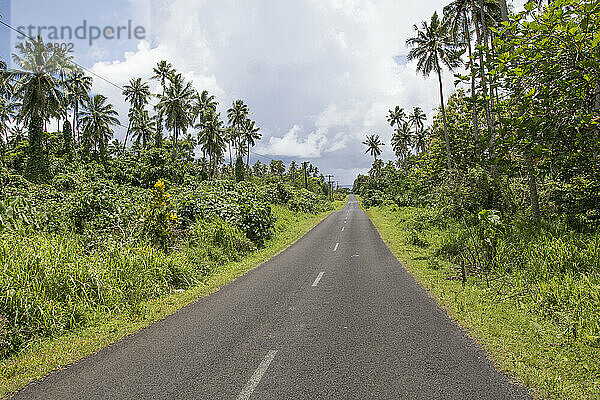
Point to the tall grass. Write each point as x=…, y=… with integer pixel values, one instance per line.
x=551, y=270
x=50, y=283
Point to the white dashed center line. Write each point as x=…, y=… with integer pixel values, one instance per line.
x=316, y=282
x=256, y=377
x=343, y=228
x=336, y=246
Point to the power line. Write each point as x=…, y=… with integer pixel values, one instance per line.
x=261, y=155
x=72, y=62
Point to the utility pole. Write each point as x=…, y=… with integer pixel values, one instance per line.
x=304, y=166
x=330, y=187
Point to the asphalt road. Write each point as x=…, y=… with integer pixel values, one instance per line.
x=335, y=316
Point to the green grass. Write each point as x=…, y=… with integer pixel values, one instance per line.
x=44, y=354
x=521, y=342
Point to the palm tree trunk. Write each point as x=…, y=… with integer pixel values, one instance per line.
x=488, y=116
x=126, y=136
x=446, y=137
x=474, y=104
x=503, y=10
x=230, y=158
x=75, y=131
x=174, y=139
x=248, y=159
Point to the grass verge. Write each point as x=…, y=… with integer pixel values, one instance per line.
x=43, y=356
x=521, y=343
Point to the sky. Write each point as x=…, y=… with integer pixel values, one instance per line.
x=317, y=75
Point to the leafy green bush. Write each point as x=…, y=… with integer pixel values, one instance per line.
x=15, y=212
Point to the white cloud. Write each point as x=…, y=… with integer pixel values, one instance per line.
x=317, y=74
x=292, y=145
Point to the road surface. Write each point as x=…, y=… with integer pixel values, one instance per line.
x=335, y=316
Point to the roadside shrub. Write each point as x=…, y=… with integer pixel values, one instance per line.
x=373, y=198
x=159, y=220
x=257, y=222
x=215, y=243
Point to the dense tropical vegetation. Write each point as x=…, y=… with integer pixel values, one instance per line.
x=91, y=227
x=503, y=189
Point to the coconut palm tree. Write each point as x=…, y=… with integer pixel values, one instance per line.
x=459, y=16
x=401, y=141
x=237, y=116
x=211, y=138
x=373, y=144
x=204, y=102
x=37, y=87
x=292, y=171
x=97, y=119
x=136, y=94
x=6, y=81
x=77, y=85
x=250, y=133
x=421, y=139
x=277, y=167
x=114, y=148
x=162, y=73
x=143, y=127
x=432, y=47
x=396, y=116
x=176, y=106
x=417, y=119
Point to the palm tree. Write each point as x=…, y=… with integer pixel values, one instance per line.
x=421, y=139
x=432, y=47
x=176, y=106
x=37, y=86
x=373, y=144
x=143, y=127
x=162, y=72
x=237, y=116
x=489, y=13
x=396, y=116
x=6, y=81
x=401, y=141
x=417, y=119
x=277, y=167
x=78, y=85
x=251, y=134
x=137, y=94
x=459, y=16
x=114, y=147
x=292, y=171
x=211, y=138
x=205, y=102
x=97, y=120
